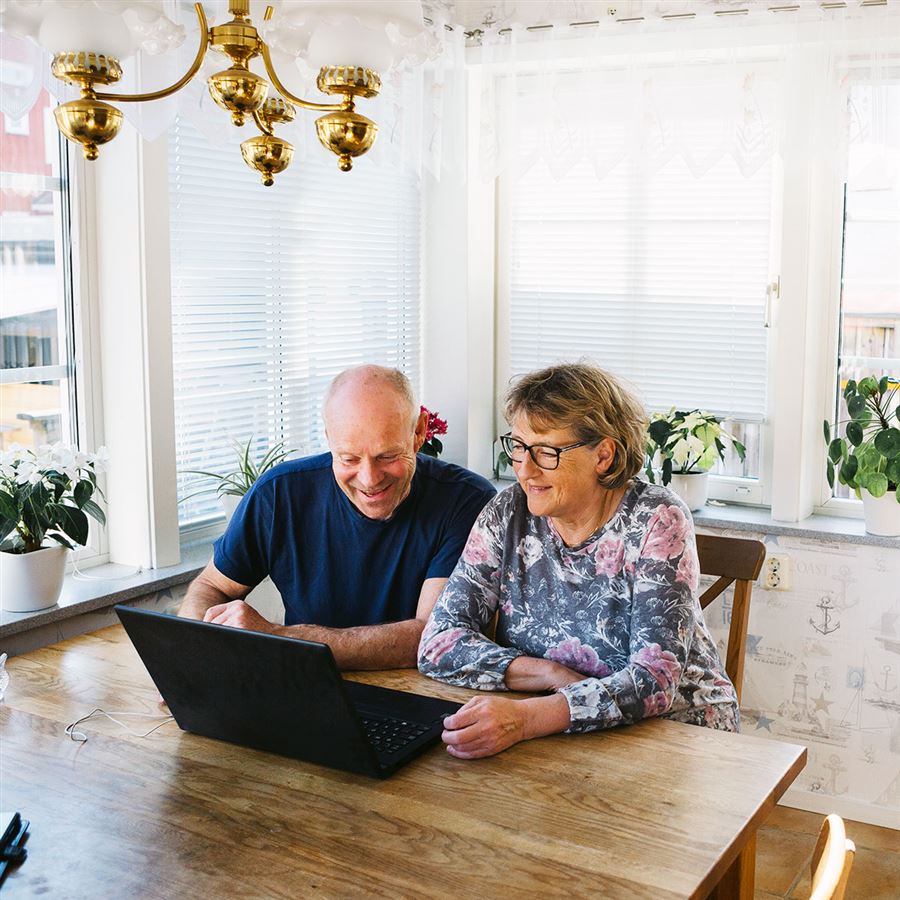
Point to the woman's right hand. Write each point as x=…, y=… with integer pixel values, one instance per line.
x=528, y=673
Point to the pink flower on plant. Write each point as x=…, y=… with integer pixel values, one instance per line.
x=668, y=529
x=688, y=571
x=609, y=556
x=580, y=657
x=443, y=642
x=661, y=664
x=656, y=704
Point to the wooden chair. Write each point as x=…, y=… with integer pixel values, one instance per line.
x=831, y=861
x=739, y=561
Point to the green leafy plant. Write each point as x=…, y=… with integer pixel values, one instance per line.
x=240, y=479
x=502, y=462
x=48, y=493
x=869, y=457
x=686, y=442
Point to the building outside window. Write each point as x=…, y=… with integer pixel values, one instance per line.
x=36, y=322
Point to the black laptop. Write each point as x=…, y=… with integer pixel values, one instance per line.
x=279, y=694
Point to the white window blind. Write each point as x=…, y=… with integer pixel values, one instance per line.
x=660, y=278
x=276, y=290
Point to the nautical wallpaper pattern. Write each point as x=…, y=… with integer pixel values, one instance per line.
x=823, y=670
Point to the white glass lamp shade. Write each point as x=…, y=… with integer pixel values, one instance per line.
x=349, y=32
x=350, y=44
x=86, y=28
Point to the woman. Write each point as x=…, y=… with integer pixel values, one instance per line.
x=592, y=575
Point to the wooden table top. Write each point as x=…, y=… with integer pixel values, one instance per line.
x=658, y=809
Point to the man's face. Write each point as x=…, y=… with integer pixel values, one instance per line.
x=373, y=441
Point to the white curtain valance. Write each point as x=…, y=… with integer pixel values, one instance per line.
x=606, y=98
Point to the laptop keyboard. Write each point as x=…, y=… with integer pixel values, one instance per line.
x=391, y=735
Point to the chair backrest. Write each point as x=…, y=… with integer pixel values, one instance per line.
x=733, y=560
x=831, y=861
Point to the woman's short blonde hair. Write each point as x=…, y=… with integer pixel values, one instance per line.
x=590, y=401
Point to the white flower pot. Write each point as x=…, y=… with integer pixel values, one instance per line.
x=32, y=581
x=882, y=514
x=229, y=504
x=692, y=488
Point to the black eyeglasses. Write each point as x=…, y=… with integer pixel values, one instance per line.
x=543, y=455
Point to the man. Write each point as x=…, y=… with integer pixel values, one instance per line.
x=359, y=541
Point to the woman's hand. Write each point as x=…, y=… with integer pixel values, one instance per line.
x=487, y=725
x=484, y=726
x=528, y=673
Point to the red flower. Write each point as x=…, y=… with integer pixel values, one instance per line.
x=435, y=426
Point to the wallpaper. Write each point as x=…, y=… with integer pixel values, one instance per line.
x=823, y=670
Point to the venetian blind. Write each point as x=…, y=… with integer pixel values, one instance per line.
x=660, y=278
x=276, y=290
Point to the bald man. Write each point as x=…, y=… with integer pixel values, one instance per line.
x=359, y=541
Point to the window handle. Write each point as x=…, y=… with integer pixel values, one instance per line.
x=773, y=292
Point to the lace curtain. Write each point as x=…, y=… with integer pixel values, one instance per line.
x=645, y=89
x=569, y=94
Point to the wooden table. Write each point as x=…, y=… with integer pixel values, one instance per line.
x=657, y=810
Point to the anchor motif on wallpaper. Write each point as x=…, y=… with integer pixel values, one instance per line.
x=826, y=626
x=888, y=678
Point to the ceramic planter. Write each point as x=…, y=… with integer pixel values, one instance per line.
x=693, y=488
x=32, y=581
x=229, y=503
x=882, y=514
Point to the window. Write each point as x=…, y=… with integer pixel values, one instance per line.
x=660, y=278
x=870, y=274
x=276, y=290
x=36, y=358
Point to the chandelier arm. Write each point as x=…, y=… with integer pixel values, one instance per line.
x=297, y=101
x=262, y=125
x=191, y=72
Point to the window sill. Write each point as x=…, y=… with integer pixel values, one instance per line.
x=817, y=526
x=98, y=592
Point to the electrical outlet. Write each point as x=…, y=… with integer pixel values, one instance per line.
x=777, y=573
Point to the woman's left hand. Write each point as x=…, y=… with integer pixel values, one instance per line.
x=485, y=726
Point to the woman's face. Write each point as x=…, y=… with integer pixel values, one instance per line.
x=571, y=491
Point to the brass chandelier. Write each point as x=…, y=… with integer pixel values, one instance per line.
x=92, y=120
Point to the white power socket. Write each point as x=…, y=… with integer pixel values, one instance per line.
x=777, y=573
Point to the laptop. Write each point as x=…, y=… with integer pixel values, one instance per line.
x=279, y=694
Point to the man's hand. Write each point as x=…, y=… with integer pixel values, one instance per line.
x=484, y=726
x=239, y=614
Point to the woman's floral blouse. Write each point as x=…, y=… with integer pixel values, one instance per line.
x=620, y=608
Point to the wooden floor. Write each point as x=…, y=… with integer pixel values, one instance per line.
x=785, y=845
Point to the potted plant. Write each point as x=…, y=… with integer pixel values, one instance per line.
x=868, y=459
x=231, y=486
x=435, y=426
x=687, y=445
x=46, y=496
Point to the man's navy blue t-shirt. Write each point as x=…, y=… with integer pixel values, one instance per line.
x=331, y=564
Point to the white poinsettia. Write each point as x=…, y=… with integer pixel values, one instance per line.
x=47, y=492
x=685, y=442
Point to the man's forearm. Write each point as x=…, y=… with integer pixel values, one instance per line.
x=200, y=597
x=390, y=646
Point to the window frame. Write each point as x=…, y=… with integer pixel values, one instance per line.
x=73, y=247
x=792, y=450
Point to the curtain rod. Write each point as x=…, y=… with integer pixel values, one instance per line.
x=721, y=13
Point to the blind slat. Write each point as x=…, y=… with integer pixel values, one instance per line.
x=276, y=290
